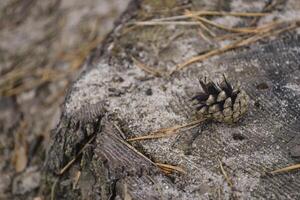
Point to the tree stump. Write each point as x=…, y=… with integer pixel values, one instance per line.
x=129, y=88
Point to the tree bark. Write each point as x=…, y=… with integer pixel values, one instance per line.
x=115, y=99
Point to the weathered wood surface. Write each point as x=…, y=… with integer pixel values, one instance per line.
x=113, y=91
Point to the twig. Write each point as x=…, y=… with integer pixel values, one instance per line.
x=145, y=68
x=68, y=165
x=164, y=132
x=286, y=169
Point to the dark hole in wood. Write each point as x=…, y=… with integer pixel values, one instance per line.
x=238, y=136
x=257, y=103
x=149, y=92
x=262, y=86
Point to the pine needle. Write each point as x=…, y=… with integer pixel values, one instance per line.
x=240, y=43
x=203, y=26
x=170, y=168
x=147, y=69
x=286, y=169
x=70, y=163
x=163, y=23
x=167, y=169
x=164, y=132
x=238, y=30
x=225, y=174
x=208, y=13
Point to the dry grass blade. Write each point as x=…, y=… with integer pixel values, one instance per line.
x=164, y=132
x=147, y=69
x=286, y=169
x=69, y=164
x=243, y=42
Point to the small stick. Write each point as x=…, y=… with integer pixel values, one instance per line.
x=286, y=169
x=68, y=165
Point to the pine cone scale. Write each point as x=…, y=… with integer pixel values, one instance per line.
x=221, y=102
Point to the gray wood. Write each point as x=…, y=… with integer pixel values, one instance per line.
x=113, y=91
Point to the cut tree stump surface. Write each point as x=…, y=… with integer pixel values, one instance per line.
x=115, y=94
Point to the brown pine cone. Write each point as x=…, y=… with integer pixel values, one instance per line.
x=221, y=102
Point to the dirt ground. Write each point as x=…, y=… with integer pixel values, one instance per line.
x=42, y=47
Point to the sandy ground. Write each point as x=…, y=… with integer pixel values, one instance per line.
x=42, y=47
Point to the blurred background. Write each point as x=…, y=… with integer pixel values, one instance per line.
x=42, y=47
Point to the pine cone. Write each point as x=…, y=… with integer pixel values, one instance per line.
x=221, y=102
